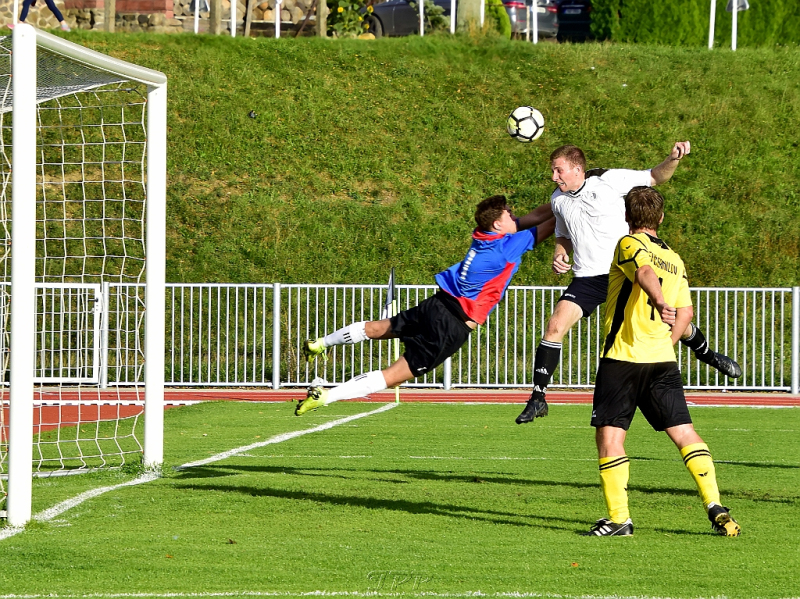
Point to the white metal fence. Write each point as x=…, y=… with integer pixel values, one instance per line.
x=251, y=335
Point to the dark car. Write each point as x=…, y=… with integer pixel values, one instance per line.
x=546, y=11
x=397, y=17
x=574, y=20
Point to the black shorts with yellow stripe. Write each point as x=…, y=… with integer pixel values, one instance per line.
x=656, y=389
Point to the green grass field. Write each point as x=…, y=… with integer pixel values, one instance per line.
x=422, y=499
x=369, y=155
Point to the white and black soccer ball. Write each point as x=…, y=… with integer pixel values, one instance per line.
x=525, y=124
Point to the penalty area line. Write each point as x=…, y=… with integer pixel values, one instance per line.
x=58, y=509
x=374, y=593
x=283, y=437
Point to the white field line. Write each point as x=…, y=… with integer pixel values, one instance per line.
x=62, y=507
x=377, y=593
x=284, y=437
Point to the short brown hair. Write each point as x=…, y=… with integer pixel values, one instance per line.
x=644, y=207
x=490, y=210
x=572, y=154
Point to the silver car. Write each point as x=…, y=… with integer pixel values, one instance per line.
x=546, y=13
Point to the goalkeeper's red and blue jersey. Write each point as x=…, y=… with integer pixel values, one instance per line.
x=479, y=281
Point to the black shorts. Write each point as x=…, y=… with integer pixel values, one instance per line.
x=656, y=389
x=431, y=331
x=587, y=292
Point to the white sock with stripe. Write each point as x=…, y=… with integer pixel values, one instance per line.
x=354, y=333
x=360, y=386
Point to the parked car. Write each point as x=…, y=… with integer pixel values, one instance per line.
x=397, y=17
x=574, y=20
x=546, y=12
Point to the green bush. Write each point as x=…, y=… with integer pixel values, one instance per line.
x=434, y=17
x=346, y=18
x=685, y=22
x=497, y=13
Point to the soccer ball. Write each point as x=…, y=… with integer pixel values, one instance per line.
x=525, y=124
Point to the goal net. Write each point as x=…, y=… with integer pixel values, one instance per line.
x=77, y=168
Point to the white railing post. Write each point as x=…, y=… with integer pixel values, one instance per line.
x=278, y=18
x=796, y=340
x=276, y=336
x=535, y=21
x=421, y=4
x=448, y=374
x=233, y=18
x=734, y=25
x=104, y=318
x=452, y=16
x=711, y=20
x=154, y=293
x=483, y=12
x=23, y=257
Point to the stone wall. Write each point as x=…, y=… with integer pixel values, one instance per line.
x=292, y=11
x=89, y=14
x=38, y=16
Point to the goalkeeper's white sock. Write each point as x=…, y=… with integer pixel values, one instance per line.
x=354, y=333
x=360, y=386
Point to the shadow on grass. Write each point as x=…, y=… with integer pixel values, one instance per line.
x=398, y=505
x=361, y=473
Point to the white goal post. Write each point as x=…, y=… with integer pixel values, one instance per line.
x=79, y=221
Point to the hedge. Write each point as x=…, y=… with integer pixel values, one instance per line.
x=685, y=22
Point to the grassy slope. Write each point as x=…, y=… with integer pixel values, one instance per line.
x=456, y=495
x=366, y=155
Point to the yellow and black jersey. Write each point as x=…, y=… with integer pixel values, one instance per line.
x=633, y=328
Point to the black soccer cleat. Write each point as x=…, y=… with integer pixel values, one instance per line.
x=726, y=366
x=722, y=523
x=535, y=408
x=606, y=528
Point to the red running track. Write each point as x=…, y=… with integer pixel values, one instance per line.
x=476, y=396
x=75, y=406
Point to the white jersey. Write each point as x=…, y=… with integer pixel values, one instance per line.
x=593, y=218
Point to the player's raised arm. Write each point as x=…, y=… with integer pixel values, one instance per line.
x=664, y=171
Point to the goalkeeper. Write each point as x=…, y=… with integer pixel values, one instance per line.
x=437, y=328
x=647, y=308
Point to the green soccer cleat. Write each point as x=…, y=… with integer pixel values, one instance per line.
x=721, y=521
x=313, y=348
x=316, y=398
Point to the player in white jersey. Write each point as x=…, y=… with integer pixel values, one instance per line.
x=590, y=219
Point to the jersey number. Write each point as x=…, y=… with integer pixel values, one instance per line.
x=649, y=303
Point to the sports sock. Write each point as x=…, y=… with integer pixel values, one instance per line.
x=359, y=386
x=698, y=460
x=698, y=344
x=354, y=333
x=614, y=472
x=545, y=362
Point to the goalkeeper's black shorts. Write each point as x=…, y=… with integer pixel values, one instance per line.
x=431, y=332
x=655, y=388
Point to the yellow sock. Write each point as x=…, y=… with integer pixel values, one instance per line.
x=614, y=474
x=698, y=460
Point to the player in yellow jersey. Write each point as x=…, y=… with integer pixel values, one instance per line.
x=647, y=308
